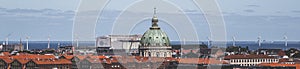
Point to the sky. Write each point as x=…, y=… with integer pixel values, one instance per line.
x=244, y=19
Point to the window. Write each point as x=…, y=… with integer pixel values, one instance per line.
x=149, y=54
x=2, y=63
x=165, y=55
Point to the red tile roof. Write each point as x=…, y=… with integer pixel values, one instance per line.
x=22, y=61
x=5, y=53
x=80, y=57
x=7, y=60
x=29, y=56
x=200, y=61
x=69, y=57
x=277, y=65
x=52, y=61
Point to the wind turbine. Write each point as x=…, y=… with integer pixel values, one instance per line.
x=259, y=40
x=58, y=45
x=48, y=41
x=27, y=37
x=209, y=41
x=76, y=39
x=285, y=38
x=233, y=40
x=184, y=41
x=6, y=42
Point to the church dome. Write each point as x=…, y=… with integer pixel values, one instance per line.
x=155, y=36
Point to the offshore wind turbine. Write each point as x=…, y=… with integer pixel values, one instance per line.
x=27, y=38
x=76, y=39
x=259, y=40
x=6, y=42
x=285, y=39
x=233, y=40
x=58, y=45
x=48, y=42
x=184, y=41
x=209, y=41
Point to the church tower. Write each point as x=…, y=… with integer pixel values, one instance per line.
x=155, y=42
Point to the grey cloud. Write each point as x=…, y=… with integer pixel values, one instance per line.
x=266, y=20
x=35, y=12
x=296, y=11
x=228, y=13
x=253, y=6
x=248, y=10
x=191, y=11
x=278, y=12
x=36, y=16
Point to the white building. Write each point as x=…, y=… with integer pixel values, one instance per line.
x=126, y=42
x=250, y=60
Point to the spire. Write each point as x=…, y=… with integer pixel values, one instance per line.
x=20, y=41
x=21, y=45
x=154, y=11
x=154, y=20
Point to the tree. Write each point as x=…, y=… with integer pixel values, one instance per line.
x=290, y=51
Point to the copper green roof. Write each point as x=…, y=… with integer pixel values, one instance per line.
x=155, y=36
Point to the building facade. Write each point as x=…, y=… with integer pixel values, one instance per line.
x=126, y=42
x=250, y=60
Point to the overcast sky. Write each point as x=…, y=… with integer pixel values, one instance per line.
x=243, y=18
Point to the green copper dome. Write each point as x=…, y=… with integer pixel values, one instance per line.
x=154, y=36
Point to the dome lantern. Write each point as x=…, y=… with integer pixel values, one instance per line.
x=154, y=21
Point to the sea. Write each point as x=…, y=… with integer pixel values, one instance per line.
x=252, y=45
